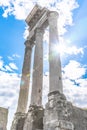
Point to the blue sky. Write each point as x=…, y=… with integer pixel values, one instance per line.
x=72, y=28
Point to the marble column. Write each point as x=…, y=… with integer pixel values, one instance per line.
x=36, y=95
x=55, y=78
x=25, y=79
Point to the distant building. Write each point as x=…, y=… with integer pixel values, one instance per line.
x=3, y=118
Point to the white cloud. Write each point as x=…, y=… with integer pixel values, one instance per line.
x=66, y=50
x=10, y=58
x=45, y=88
x=20, y=9
x=66, y=47
x=46, y=36
x=16, y=56
x=13, y=57
x=65, y=8
x=8, y=68
x=5, y=3
x=75, y=86
x=74, y=70
x=1, y=63
x=13, y=66
x=9, y=88
x=76, y=94
x=26, y=32
x=73, y=50
x=9, y=91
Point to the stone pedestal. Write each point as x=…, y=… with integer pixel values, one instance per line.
x=57, y=113
x=34, y=119
x=18, y=122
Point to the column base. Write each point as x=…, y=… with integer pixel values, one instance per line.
x=18, y=122
x=34, y=119
x=57, y=113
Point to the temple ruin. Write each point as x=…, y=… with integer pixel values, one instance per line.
x=59, y=114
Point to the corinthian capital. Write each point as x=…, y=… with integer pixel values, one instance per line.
x=28, y=44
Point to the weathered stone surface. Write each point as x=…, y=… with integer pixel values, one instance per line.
x=79, y=118
x=36, y=18
x=18, y=122
x=62, y=115
x=66, y=125
x=3, y=118
x=34, y=119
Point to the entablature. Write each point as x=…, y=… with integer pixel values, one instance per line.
x=37, y=18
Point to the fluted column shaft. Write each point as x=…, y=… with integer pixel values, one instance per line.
x=25, y=79
x=36, y=95
x=55, y=79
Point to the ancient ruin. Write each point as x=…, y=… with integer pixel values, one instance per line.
x=3, y=118
x=59, y=114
